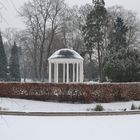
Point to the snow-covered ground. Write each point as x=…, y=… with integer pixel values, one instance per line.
x=67, y=128
x=70, y=128
x=28, y=105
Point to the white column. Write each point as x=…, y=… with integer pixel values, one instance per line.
x=67, y=72
x=64, y=73
x=77, y=74
x=57, y=73
x=54, y=72
x=50, y=72
x=73, y=72
x=81, y=72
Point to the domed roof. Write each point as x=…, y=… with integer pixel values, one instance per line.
x=65, y=53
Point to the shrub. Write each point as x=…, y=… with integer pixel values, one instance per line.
x=3, y=109
x=98, y=108
x=133, y=107
x=75, y=93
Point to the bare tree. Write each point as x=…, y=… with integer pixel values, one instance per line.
x=27, y=63
x=71, y=30
x=42, y=18
x=11, y=35
x=2, y=18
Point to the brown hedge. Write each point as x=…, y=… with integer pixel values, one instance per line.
x=82, y=93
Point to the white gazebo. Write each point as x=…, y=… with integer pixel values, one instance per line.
x=71, y=66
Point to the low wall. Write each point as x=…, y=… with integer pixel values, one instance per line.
x=82, y=93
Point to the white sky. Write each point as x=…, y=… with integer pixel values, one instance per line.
x=12, y=19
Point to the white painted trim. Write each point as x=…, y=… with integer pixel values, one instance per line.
x=61, y=61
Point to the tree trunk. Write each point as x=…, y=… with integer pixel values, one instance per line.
x=41, y=62
x=45, y=70
x=100, y=64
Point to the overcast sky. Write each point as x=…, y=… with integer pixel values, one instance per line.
x=11, y=18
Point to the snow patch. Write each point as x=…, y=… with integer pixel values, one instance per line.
x=31, y=106
x=65, y=53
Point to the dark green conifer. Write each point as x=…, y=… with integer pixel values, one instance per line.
x=3, y=62
x=94, y=32
x=14, y=68
x=122, y=64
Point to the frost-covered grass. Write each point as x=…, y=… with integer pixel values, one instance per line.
x=70, y=128
x=28, y=105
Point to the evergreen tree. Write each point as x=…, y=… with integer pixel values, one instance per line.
x=132, y=65
x=122, y=64
x=94, y=32
x=14, y=69
x=3, y=62
x=118, y=36
x=115, y=61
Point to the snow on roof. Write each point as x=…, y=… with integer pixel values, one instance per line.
x=65, y=53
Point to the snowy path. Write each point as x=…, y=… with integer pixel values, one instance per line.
x=13, y=113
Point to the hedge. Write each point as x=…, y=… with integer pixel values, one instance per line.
x=80, y=93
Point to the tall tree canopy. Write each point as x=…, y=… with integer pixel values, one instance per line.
x=3, y=62
x=14, y=69
x=43, y=19
x=118, y=35
x=122, y=63
x=94, y=32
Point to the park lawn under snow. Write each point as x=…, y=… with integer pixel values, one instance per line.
x=70, y=128
x=67, y=128
x=29, y=106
